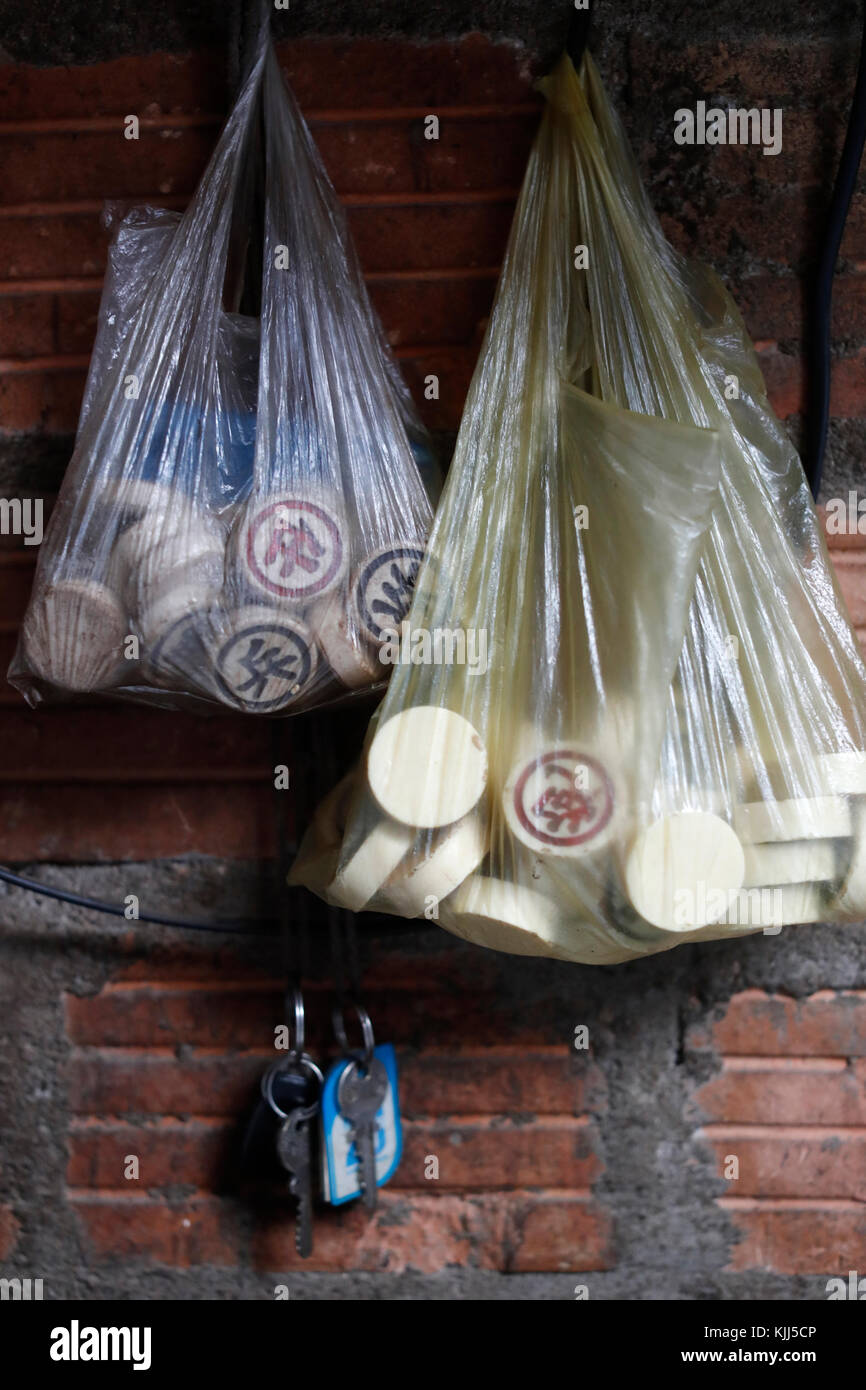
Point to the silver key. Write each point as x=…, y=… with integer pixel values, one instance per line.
x=293, y=1148
x=359, y=1096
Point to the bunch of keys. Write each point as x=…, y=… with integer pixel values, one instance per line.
x=294, y=1138
x=298, y=1082
x=361, y=1132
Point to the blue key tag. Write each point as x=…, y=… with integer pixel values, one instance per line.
x=341, y=1175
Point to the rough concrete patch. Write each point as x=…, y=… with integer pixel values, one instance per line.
x=81, y=31
x=78, y=33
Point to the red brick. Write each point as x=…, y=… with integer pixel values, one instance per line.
x=562, y=1234
x=51, y=244
x=385, y=155
x=473, y=1155
x=850, y=567
x=26, y=325
x=342, y=73
x=773, y=305
x=16, y=569
x=195, y=960
x=791, y=1161
x=109, y=1081
x=85, y=824
x=69, y=165
x=854, y=540
x=41, y=401
x=497, y=1081
x=178, y=83
x=77, y=317
x=184, y=1234
x=492, y=1153
x=197, y=1016
x=10, y=1229
x=442, y=309
x=454, y=368
x=22, y=402
x=119, y=1081
x=392, y=155
x=797, y=1236
x=509, y=1232
x=847, y=386
x=787, y=1091
x=784, y=378
x=830, y=1023
x=125, y=744
x=138, y=1016
x=468, y=231
x=168, y=1151
x=331, y=73
x=431, y=235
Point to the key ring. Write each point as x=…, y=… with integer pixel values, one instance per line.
x=295, y=999
x=338, y=1017
x=302, y=1062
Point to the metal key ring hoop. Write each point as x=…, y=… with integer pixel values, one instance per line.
x=363, y=1017
x=302, y=1063
x=295, y=1004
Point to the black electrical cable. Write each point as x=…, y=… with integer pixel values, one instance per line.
x=31, y=885
x=822, y=305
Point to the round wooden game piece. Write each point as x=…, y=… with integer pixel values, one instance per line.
x=791, y=861
x=802, y=818
x=785, y=905
x=292, y=546
x=382, y=589
x=149, y=587
x=427, y=766
x=506, y=917
x=680, y=868
x=73, y=635
x=370, y=865
x=450, y=858
x=130, y=498
x=174, y=626
x=162, y=540
x=347, y=652
x=174, y=650
x=263, y=658
x=844, y=773
x=561, y=801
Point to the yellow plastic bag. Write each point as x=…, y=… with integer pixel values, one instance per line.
x=643, y=719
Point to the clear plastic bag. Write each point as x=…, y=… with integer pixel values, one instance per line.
x=666, y=741
x=244, y=489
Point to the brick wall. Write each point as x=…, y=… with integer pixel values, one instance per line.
x=556, y=1167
